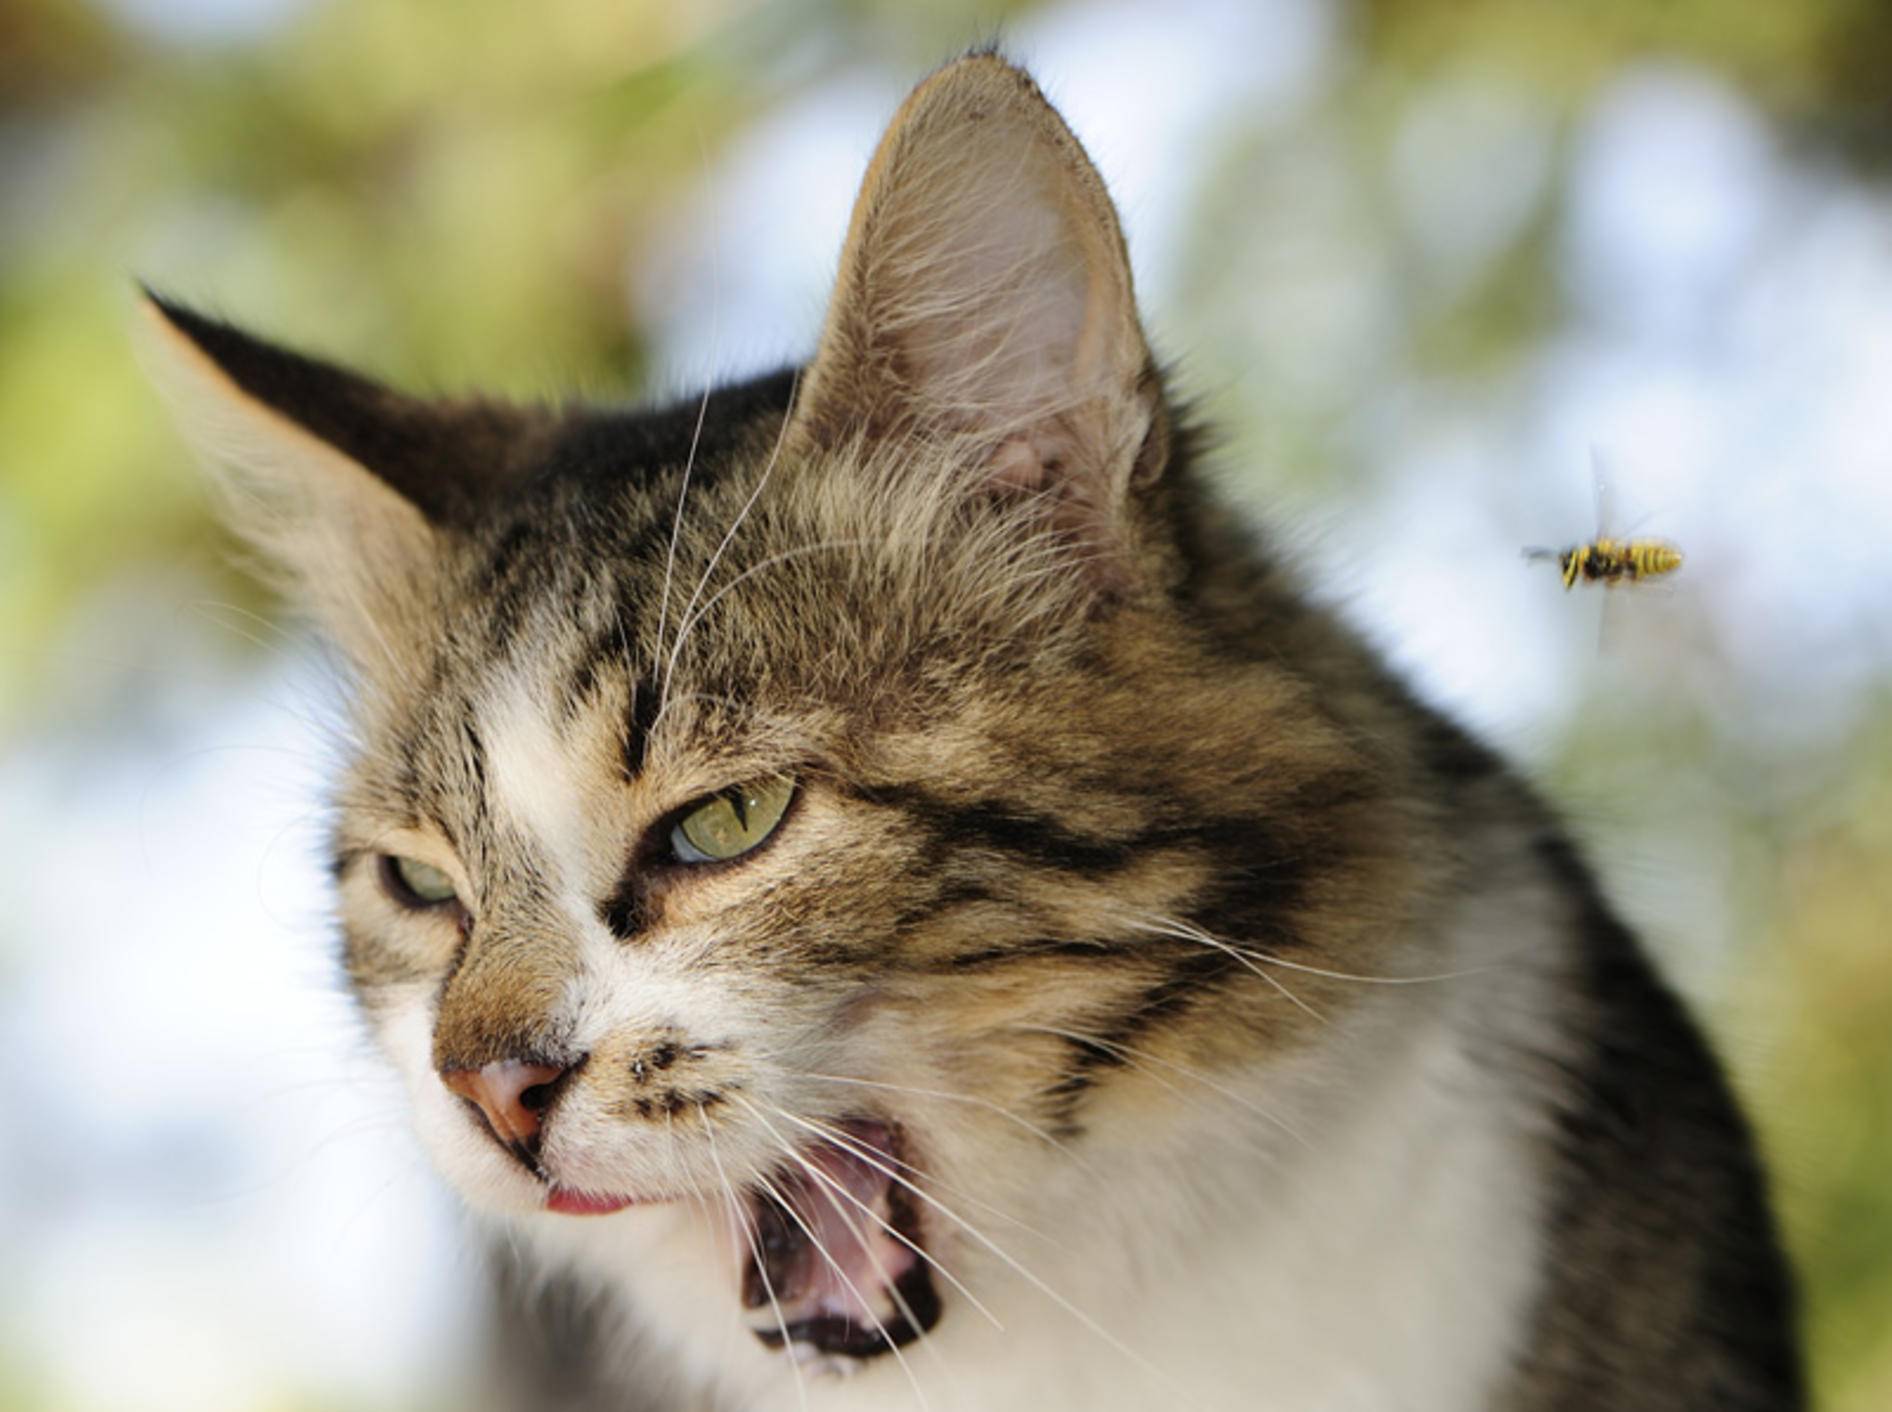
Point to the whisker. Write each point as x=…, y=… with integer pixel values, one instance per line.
x=704, y=1203
x=1185, y=931
x=876, y=1218
x=841, y=1135
x=676, y=526
x=688, y=625
x=1228, y=949
x=1079, y=1037
x=373, y=1198
x=852, y=1288
x=1110, y=1339
x=762, y=481
x=743, y=1224
x=969, y=1098
x=893, y=1290
x=213, y=611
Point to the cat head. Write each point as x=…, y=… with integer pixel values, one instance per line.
x=834, y=791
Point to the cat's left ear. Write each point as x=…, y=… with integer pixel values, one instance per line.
x=984, y=304
x=348, y=488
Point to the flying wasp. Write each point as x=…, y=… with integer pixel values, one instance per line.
x=1607, y=559
x=1613, y=561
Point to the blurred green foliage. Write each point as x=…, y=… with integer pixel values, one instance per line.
x=447, y=191
x=454, y=193
x=1823, y=1082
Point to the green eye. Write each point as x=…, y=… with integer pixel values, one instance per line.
x=416, y=884
x=729, y=824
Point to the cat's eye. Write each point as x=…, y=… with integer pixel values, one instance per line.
x=731, y=822
x=413, y=883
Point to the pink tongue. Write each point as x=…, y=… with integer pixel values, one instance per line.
x=830, y=1212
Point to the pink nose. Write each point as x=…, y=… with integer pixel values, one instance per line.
x=511, y=1094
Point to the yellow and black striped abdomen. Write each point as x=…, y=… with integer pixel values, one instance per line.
x=1614, y=561
x=1651, y=558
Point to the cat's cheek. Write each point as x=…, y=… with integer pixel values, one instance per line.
x=388, y=948
x=459, y=1149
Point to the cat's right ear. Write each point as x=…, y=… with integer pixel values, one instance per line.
x=347, y=487
x=984, y=308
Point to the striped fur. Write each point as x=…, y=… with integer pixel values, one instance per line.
x=1259, y=1041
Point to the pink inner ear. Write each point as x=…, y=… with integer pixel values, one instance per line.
x=1016, y=465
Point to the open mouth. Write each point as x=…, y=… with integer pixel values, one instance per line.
x=833, y=1251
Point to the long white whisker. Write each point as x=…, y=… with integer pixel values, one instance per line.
x=1086, y=1320
x=852, y=1288
x=676, y=522
x=1184, y=931
x=831, y=1187
x=279, y=643
x=975, y=1101
x=892, y=1287
x=842, y=1138
x=687, y=625
x=755, y=1251
x=1216, y=943
x=1079, y=1037
x=781, y=437
x=689, y=461
x=877, y=1219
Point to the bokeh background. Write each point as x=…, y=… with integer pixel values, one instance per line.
x=1424, y=261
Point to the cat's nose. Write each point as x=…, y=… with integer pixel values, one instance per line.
x=512, y=1095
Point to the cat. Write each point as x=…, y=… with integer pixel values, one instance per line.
x=879, y=873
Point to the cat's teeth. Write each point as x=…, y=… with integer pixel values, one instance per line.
x=823, y=1364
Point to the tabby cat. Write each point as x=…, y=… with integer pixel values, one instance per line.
x=878, y=873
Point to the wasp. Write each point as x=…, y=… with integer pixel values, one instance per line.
x=1608, y=559
x=1613, y=561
